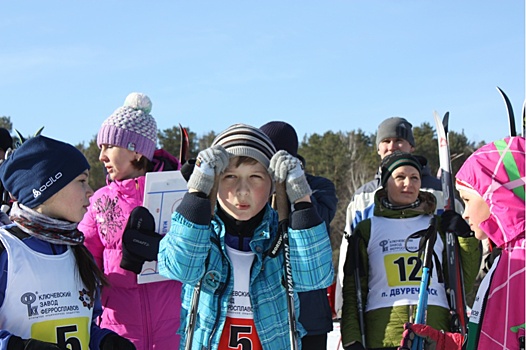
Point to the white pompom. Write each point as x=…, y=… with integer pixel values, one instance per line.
x=139, y=101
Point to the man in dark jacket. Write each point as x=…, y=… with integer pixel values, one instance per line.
x=315, y=311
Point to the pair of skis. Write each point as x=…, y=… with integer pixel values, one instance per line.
x=455, y=289
x=455, y=286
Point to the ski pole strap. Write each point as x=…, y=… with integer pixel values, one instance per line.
x=431, y=236
x=425, y=235
x=277, y=243
x=511, y=169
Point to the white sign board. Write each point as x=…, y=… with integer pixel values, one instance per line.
x=163, y=191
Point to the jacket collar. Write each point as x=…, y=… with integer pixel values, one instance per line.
x=427, y=206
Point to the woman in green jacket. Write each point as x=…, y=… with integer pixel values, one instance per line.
x=388, y=265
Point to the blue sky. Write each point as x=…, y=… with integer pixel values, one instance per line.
x=320, y=65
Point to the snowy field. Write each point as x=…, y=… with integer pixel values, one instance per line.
x=333, y=339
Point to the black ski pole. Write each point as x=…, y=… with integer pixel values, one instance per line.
x=359, y=299
x=283, y=207
x=192, y=318
x=190, y=329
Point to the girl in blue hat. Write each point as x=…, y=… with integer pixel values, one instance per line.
x=49, y=282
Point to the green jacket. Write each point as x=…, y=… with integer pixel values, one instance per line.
x=384, y=326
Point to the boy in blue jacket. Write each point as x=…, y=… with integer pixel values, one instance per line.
x=242, y=296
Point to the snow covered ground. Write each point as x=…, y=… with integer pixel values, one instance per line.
x=333, y=339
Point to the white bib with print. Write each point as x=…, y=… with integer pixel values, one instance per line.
x=395, y=273
x=45, y=298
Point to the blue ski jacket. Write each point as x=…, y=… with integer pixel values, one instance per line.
x=196, y=248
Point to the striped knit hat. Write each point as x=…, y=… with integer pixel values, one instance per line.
x=248, y=141
x=396, y=160
x=131, y=126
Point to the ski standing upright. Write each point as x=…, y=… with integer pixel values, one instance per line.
x=455, y=288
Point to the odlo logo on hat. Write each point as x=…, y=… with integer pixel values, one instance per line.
x=48, y=184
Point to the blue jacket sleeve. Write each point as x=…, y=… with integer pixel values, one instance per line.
x=311, y=258
x=184, y=249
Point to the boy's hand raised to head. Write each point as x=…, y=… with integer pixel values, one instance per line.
x=287, y=168
x=210, y=162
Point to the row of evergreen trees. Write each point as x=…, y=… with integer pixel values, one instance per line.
x=348, y=158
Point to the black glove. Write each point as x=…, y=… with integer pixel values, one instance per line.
x=17, y=343
x=355, y=346
x=140, y=243
x=114, y=341
x=453, y=222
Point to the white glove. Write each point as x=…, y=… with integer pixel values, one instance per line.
x=210, y=162
x=287, y=168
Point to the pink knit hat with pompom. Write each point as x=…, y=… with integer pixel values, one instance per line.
x=131, y=126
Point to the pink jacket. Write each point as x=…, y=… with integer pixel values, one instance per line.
x=497, y=172
x=147, y=314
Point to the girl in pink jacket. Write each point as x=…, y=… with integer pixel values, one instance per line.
x=147, y=314
x=492, y=184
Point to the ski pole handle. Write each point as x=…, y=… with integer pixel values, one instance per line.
x=213, y=195
x=282, y=201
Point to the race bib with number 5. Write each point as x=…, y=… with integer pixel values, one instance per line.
x=69, y=333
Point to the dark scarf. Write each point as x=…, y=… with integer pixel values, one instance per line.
x=239, y=233
x=44, y=227
x=388, y=205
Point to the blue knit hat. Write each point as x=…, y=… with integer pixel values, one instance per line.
x=39, y=168
x=131, y=126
